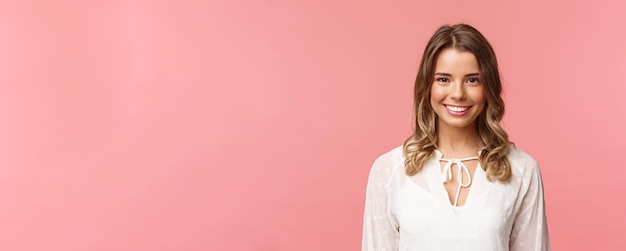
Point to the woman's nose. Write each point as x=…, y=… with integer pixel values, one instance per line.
x=457, y=92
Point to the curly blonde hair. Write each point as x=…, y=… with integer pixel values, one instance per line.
x=420, y=146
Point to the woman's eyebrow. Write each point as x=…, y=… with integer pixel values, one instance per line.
x=473, y=74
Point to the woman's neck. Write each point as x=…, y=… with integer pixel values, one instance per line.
x=456, y=142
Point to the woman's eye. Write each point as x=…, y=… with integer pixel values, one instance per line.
x=443, y=80
x=472, y=80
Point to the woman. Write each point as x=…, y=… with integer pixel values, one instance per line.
x=457, y=183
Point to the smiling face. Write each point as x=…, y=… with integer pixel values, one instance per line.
x=457, y=94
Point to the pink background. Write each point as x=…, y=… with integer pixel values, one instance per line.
x=252, y=125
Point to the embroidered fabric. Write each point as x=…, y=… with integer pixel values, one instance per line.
x=405, y=213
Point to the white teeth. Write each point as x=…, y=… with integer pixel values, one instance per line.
x=457, y=108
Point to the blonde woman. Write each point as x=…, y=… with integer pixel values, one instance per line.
x=457, y=183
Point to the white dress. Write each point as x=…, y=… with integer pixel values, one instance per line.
x=414, y=213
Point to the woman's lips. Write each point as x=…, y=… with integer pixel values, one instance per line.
x=457, y=110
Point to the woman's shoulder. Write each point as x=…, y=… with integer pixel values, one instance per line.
x=387, y=163
x=392, y=156
x=521, y=161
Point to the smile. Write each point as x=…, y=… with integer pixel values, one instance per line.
x=457, y=108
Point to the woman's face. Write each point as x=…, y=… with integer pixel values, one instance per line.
x=457, y=93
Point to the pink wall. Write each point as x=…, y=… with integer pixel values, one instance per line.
x=234, y=125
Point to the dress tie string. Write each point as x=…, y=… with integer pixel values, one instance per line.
x=446, y=174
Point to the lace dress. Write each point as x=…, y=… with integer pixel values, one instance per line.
x=414, y=212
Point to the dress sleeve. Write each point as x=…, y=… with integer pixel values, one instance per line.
x=530, y=229
x=380, y=229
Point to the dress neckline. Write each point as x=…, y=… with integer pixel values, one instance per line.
x=446, y=175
